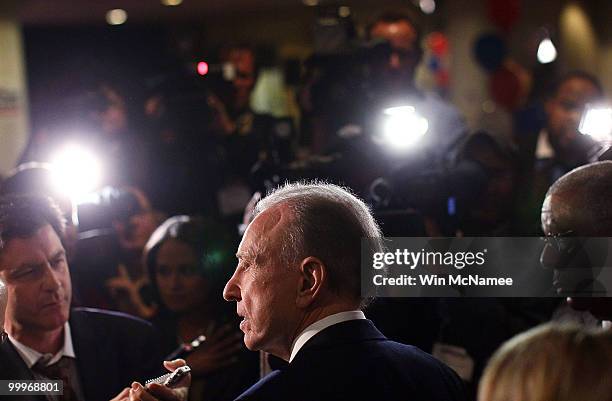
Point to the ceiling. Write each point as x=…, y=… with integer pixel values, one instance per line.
x=62, y=12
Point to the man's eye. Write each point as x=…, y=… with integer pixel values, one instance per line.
x=21, y=273
x=58, y=261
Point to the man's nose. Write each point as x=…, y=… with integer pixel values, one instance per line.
x=231, y=292
x=551, y=258
x=51, y=280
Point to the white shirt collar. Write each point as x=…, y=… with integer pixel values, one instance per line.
x=319, y=325
x=31, y=356
x=544, y=150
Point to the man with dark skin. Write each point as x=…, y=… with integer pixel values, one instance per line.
x=564, y=111
x=578, y=205
x=557, y=148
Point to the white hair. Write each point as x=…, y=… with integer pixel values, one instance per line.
x=328, y=222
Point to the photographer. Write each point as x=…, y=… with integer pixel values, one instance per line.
x=557, y=148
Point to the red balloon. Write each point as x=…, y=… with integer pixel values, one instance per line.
x=438, y=43
x=505, y=88
x=504, y=13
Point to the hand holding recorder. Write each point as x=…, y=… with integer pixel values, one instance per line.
x=173, y=386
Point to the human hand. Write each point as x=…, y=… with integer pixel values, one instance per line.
x=158, y=392
x=126, y=291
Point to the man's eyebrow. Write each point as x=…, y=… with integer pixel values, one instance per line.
x=58, y=254
x=243, y=255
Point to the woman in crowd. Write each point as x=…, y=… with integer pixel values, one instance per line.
x=188, y=260
x=551, y=363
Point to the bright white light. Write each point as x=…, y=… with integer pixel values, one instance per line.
x=546, y=51
x=171, y=3
x=76, y=171
x=597, y=123
x=229, y=71
x=116, y=16
x=427, y=6
x=403, y=126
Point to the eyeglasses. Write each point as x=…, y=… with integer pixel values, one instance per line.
x=561, y=242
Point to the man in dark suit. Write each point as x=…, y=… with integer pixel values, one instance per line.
x=297, y=288
x=95, y=353
x=549, y=151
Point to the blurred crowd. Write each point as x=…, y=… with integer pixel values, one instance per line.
x=185, y=162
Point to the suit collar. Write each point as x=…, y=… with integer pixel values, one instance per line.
x=350, y=331
x=12, y=367
x=320, y=325
x=31, y=356
x=346, y=332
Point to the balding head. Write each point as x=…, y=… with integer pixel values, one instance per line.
x=580, y=202
x=328, y=222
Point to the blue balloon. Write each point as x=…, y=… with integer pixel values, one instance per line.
x=490, y=51
x=434, y=63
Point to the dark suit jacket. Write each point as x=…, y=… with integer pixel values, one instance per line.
x=112, y=350
x=354, y=361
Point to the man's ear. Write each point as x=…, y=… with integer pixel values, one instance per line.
x=313, y=273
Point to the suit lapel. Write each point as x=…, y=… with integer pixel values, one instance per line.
x=92, y=355
x=12, y=367
x=255, y=388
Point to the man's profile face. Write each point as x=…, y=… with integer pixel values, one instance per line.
x=38, y=282
x=264, y=288
x=402, y=37
x=574, y=258
x=565, y=109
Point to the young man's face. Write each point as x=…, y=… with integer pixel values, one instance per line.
x=402, y=37
x=36, y=274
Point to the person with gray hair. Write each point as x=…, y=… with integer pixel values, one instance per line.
x=297, y=289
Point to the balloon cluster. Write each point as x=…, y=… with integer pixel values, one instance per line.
x=508, y=81
x=437, y=47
